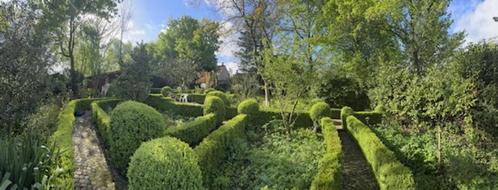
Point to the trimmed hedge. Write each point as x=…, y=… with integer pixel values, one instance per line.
x=389, y=172
x=249, y=107
x=335, y=113
x=318, y=111
x=345, y=112
x=166, y=91
x=219, y=146
x=196, y=98
x=166, y=104
x=329, y=169
x=102, y=119
x=214, y=104
x=63, y=139
x=131, y=124
x=164, y=163
x=221, y=95
x=193, y=132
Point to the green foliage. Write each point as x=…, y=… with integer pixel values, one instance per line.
x=42, y=123
x=214, y=104
x=134, y=82
x=27, y=163
x=196, y=98
x=101, y=118
x=339, y=91
x=166, y=91
x=318, y=111
x=390, y=173
x=221, y=95
x=207, y=91
x=24, y=79
x=345, y=112
x=249, y=107
x=274, y=159
x=369, y=118
x=193, y=132
x=169, y=105
x=220, y=145
x=329, y=169
x=131, y=124
x=164, y=163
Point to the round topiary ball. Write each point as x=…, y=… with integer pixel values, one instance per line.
x=345, y=112
x=164, y=163
x=221, y=95
x=166, y=91
x=131, y=124
x=249, y=107
x=319, y=110
x=214, y=104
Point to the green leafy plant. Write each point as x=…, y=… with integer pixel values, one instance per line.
x=318, y=111
x=214, y=104
x=166, y=91
x=131, y=124
x=164, y=163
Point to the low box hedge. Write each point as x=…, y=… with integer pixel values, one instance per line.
x=389, y=172
x=218, y=147
x=329, y=169
x=166, y=104
x=63, y=139
x=193, y=132
x=196, y=98
x=102, y=119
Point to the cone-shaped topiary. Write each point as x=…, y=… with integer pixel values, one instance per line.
x=221, y=95
x=214, y=104
x=166, y=91
x=164, y=163
x=319, y=110
x=249, y=107
x=131, y=124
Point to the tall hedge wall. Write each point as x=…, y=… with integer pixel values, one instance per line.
x=219, y=146
x=63, y=139
x=193, y=132
x=389, y=172
x=329, y=169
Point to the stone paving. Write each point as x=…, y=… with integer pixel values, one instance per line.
x=92, y=171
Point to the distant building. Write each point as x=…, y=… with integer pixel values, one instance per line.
x=221, y=80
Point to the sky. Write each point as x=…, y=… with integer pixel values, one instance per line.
x=150, y=17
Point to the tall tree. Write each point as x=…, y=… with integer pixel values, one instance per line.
x=26, y=62
x=70, y=14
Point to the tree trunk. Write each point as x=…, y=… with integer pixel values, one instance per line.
x=74, y=82
x=267, y=94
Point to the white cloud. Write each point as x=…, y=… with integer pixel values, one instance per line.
x=478, y=23
x=229, y=37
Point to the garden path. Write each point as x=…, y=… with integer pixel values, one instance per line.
x=92, y=171
x=356, y=171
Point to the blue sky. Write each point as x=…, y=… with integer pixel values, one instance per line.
x=149, y=17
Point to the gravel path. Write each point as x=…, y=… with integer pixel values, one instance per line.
x=92, y=171
x=356, y=171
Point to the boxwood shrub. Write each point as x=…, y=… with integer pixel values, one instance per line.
x=329, y=169
x=164, y=163
x=389, y=172
x=216, y=148
x=193, y=132
x=131, y=124
x=318, y=111
x=166, y=91
x=249, y=107
x=102, y=119
x=214, y=104
x=221, y=95
x=345, y=112
x=196, y=98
